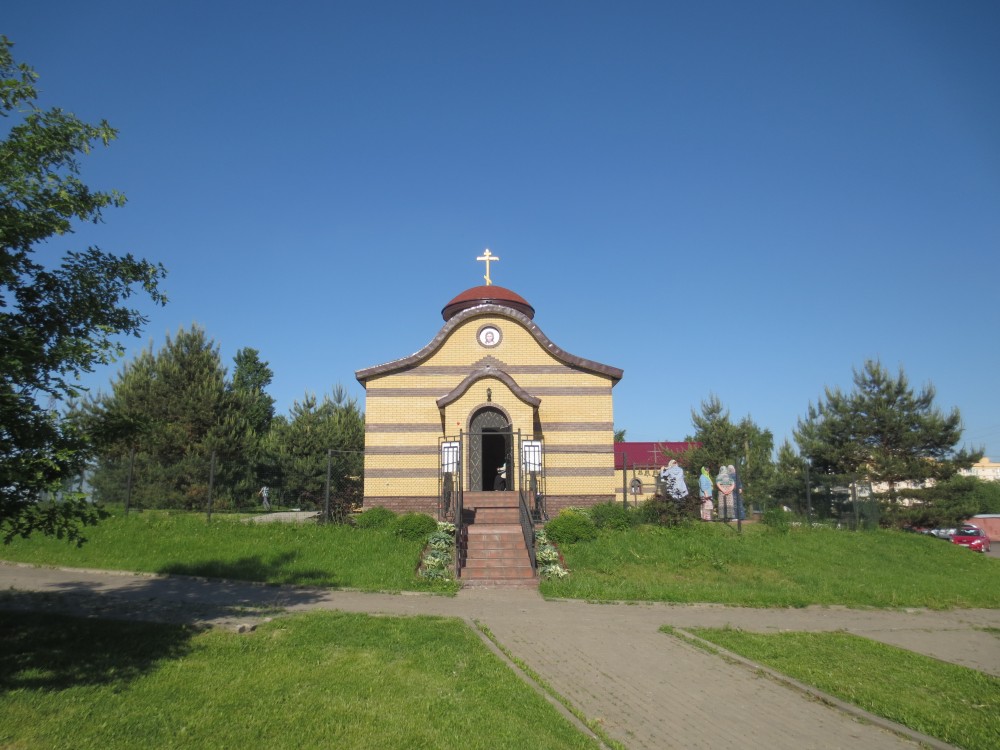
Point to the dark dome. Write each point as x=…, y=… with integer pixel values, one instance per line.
x=487, y=295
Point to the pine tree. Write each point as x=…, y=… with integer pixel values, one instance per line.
x=174, y=410
x=744, y=445
x=882, y=431
x=315, y=433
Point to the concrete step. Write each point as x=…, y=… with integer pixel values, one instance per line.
x=507, y=583
x=495, y=515
x=497, y=574
x=492, y=550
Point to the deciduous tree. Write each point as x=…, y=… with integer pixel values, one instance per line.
x=55, y=322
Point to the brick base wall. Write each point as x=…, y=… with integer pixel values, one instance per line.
x=429, y=505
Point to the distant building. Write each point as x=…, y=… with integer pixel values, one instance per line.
x=985, y=469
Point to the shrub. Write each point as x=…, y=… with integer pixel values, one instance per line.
x=375, y=518
x=777, y=519
x=571, y=526
x=415, y=526
x=612, y=515
x=667, y=512
x=441, y=540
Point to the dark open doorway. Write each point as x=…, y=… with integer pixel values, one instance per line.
x=494, y=456
x=490, y=447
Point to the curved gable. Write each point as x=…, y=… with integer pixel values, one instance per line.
x=488, y=372
x=458, y=319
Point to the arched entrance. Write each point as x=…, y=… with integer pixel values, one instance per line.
x=490, y=447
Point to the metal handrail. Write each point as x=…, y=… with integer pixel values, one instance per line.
x=459, y=530
x=527, y=528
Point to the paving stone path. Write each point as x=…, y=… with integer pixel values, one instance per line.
x=647, y=689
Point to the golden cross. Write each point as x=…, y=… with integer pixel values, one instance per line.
x=487, y=257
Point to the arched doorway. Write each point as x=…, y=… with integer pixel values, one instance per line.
x=490, y=447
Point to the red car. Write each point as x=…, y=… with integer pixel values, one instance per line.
x=972, y=537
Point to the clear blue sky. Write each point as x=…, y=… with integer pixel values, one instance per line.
x=746, y=199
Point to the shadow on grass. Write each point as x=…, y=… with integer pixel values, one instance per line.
x=256, y=568
x=178, y=599
x=44, y=651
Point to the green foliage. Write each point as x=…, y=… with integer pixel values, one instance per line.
x=414, y=526
x=788, y=485
x=950, y=502
x=375, y=518
x=253, y=414
x=882, y=431
x=316, y=435
x=439, y=559
x=55, y=323
x=174, y=409
x=613, y=516
x=777, y=519
x=663, y=511
x=571, y=526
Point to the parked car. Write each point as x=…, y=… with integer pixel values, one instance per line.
x=972, y=537
x=944, y=533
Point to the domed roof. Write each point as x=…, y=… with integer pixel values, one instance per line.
x=487, y=295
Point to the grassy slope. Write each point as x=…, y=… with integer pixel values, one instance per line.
x=303, y=554
x=765, y=568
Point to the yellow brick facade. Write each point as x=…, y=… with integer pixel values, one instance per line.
x=542, y=392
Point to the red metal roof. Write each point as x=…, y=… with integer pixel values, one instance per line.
x=648, y=455
x=487, y=295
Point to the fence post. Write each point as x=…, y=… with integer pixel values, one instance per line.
x=625, y=480
x=211, y=484
x=326, y=501
x=809, y=502
x=128, y=486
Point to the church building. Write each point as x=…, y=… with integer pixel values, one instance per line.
x=489, y=403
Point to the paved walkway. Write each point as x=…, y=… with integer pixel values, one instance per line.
x=648, y=689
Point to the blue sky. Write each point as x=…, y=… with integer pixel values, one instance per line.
x=746, y=199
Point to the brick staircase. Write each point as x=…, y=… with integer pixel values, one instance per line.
x=493, y=552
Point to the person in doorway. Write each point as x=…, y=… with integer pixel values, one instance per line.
x=705, y=489
x=264, y=495
x=500, y=483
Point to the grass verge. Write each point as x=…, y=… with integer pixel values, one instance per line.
x=955, y=704
x=763, y=567
x=316, y=680
x=305, y=554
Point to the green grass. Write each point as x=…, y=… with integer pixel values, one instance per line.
x=317, y=680
x=305, y=554
x=766, y=568
x=957, y=705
